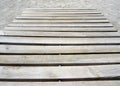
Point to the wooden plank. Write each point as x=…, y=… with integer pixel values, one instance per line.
x=59, y=9
x=37, y=10
x=64, y=21
x=23, y=49
x=72, y=83
x=64, y=25
x=61, y=18
x=63, y=60
x=63, y=29
x=44, y=72
x=62, y=15
x=77, y=12
x=66, y=72
x=64, y=41
x=60, y=21
x=61, y=34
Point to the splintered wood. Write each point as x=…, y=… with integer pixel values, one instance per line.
x=60, y=47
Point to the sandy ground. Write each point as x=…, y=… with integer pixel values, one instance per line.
x=11, y=8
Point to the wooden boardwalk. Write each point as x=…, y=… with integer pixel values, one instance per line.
x=58, y=47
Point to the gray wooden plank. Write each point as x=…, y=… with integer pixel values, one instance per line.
x=60, y=34
x=77, y=12
x=44, y=72
x=60, y=21
x=33, y=49
x=60, y=9
x=65, y=29
x=80, y=83
x=61, y=18
x=64, y=25
x=62, y=15
x=81, y=41
x=58, y=72
x=65, y=60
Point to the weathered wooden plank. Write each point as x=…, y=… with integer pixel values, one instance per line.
x=68, y=41
x=60, y=34
x=60, y=21
x=58, y=72
x=62, y=15
x=63, y=60
x=63, y=29
x=65, y=25
x=61, y=18
x=44, y=72
x=36, y=10
x=77, y=12
x=72, y=83
x=33, y=49
x=60, y=9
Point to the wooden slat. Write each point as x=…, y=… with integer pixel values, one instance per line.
x=22, y=49
x=59, y=9
x=64, y=29
x=60, y=21
x=64, y=60
x=80, y=83
x=63, y=22
x=77, y=12
x=61, y=18
x=82, y=41
x=60, y=34
x=59, y=72
x=64, y=25
x=62, y=15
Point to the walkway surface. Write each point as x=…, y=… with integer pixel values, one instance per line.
x=58, y=47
